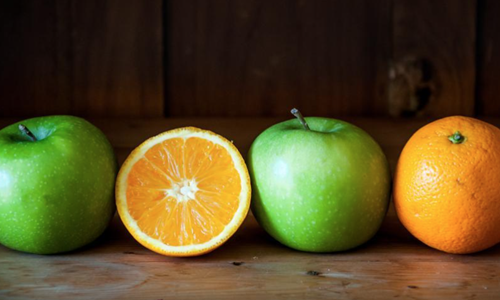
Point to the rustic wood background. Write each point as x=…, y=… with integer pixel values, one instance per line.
x=249, y=58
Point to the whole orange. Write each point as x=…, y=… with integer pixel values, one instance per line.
x=447, y=185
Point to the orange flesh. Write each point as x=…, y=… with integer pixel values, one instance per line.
x=171, y=165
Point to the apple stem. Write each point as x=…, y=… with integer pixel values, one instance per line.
x=27, y=132
x=299, y=116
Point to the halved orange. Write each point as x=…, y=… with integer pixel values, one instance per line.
x=183, y=192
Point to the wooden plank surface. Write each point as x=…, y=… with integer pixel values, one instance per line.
x=33, y=76
x=251, y=265
x=248, y=58
x=488, y=87
x=89, y=58
x=433, y=69
x=117, y=58
x=259, y=58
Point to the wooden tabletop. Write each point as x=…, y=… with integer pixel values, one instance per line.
x=251, y=265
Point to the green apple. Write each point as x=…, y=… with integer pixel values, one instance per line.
x=57, y=179
x=319, y=186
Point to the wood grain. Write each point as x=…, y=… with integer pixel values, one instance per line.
x=117, y=58
x=251, y=265
x=248, y=58
x=33, y=76
x=488, y=88
x=89, y=58
x=261, y=58
x=440, y=37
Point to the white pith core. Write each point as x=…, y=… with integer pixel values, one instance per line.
x=184, y=190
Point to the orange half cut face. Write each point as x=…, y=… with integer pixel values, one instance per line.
x=184, y=192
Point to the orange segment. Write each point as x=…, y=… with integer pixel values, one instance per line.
x=183, y=192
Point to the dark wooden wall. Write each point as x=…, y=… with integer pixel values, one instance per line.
x=90, y=58
x=218, y=58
